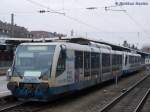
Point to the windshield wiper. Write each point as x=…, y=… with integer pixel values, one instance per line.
x=17, y=73
x=43, y=74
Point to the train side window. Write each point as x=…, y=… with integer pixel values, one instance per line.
x=95, y=59
x=126, y=58
x=105, y=63
x=106, y=59
x=78, y=59
x=120, y=59
x=61, y=65
x=136, y=59
x=86, y=64
x=115, y=59
x=130, y=59
x=133, y=59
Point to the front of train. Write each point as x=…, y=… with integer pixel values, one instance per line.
x=31, y=71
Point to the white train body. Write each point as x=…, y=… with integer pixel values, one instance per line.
x=43, y=70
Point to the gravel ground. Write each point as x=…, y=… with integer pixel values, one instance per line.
x=93, y=99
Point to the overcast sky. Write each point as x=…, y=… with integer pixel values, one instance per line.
x=112, y=26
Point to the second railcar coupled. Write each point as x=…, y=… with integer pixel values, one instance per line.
x=43, y=70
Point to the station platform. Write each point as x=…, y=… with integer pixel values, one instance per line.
x=3, y=87
x=3, y=70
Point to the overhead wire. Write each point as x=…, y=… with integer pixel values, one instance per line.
x=138, y=25
x=65, y=15
x=134, y=20
x=108, y=8
x=70, y=17
x=38, y=4
x=42, y=6
x=81, y=22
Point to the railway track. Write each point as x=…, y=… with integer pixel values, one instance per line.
x=62, y=104
x=11, y=104
x=8, y=107
x=143, y=102
x=146, y=107
x=5, y=99
x=24, y=107
x=7, y=102
x=132, y=99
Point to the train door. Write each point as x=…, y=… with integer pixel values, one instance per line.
x=70, y=66
x=61, y=78
x=87, y=66
x=106, y=66
x=79, y=73
x=100, y=69
x=95, y=65
x=65, y=67
x=126, y=60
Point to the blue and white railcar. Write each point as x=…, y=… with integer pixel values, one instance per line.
x=43, y=70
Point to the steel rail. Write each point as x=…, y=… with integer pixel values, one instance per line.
x=25, y=107
x=117, y=99
x=4, y=97
x=12, y=106
x=142, y=102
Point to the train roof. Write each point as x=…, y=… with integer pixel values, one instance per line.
x=59, y=43
x=83, y=40
x=75, y=46
x=78, y=40
x=132, y=54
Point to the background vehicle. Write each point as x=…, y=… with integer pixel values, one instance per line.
x=131, y=62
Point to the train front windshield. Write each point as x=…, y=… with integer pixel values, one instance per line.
x=33, y=60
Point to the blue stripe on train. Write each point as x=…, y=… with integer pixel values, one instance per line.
x=39, y=94
x=71, y=87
